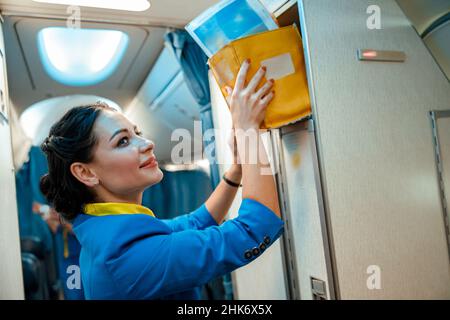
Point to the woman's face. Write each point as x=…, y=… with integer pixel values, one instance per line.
x=124, y=161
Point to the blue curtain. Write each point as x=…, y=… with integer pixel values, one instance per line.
x=27, y=191
x=31, y=224
x=178, y=193
x=195, y=69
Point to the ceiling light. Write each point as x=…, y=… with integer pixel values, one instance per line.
x=80, y=57
x=128, y=5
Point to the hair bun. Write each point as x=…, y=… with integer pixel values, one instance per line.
x=70, y=139
x=46, y=186
x=45, y=146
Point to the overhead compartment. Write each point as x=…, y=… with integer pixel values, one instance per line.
x=423, y=14
x=163, y=72
x=166, y=94
x=164, y=103
x=438, y=41
x=431, y=19
x=176, y=105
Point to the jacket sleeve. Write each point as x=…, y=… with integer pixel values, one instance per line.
x=198, y=220
x=164, y=264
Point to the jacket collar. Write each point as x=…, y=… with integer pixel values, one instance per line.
x=115, y=208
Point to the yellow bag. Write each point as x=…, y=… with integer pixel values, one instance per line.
x=281, y=51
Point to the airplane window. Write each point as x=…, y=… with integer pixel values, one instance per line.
x=80, y=57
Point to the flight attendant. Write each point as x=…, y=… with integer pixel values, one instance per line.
x=100, y=165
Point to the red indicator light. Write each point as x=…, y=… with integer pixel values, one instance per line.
x=370, y=54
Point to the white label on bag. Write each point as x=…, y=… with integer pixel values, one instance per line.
x=279, y=67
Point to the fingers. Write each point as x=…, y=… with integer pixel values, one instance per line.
x=229, y=92
x=35, y=207
x=253, y=84
x=264, y=89
x=264, y=102
x=242, y=75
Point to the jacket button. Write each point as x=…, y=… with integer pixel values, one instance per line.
x=266, y=239
x=262, y=246
x=248, y=254
x=255, y=251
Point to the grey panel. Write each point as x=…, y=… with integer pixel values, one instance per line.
x=376, y=159
x=29, y=83
x=304, y=209
x=163, y=72
x=176, y=106
x=422, y=13
x=441, y=134
x=163, y=104
x=443, y=125
x=438, y=42
x=11, y=283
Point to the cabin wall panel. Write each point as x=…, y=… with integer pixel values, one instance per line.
x=375, y=149
x=11, y=283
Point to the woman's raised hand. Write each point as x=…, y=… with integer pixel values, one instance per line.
x=248, y=105
x=248, y=108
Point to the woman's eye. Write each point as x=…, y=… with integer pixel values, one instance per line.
x=139, y=133
x=122, y=141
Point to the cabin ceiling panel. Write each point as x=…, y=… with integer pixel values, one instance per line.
x=422, y=13
x=30, y=83
x=175, y=13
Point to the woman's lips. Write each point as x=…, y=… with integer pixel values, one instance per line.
x=150, y=163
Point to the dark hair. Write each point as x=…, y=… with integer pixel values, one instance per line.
x=70, y=140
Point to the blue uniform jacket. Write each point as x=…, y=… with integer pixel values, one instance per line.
x=137, y=256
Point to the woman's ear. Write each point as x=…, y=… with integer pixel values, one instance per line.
x=84, y=174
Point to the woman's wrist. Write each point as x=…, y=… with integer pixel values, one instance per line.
x=234, y=173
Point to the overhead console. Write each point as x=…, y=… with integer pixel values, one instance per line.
x=431, y=19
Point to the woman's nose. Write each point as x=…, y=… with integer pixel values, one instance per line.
x=146, y=145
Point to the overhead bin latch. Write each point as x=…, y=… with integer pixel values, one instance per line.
x=318, y=289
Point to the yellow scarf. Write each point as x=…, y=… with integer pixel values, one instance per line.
x=115, y=208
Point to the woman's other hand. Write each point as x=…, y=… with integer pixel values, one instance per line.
x=247, y=104
x=53, y=220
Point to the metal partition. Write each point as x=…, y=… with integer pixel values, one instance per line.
x=11, y=282
x=440, y=121
x=376, y=160
x=306, y=240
